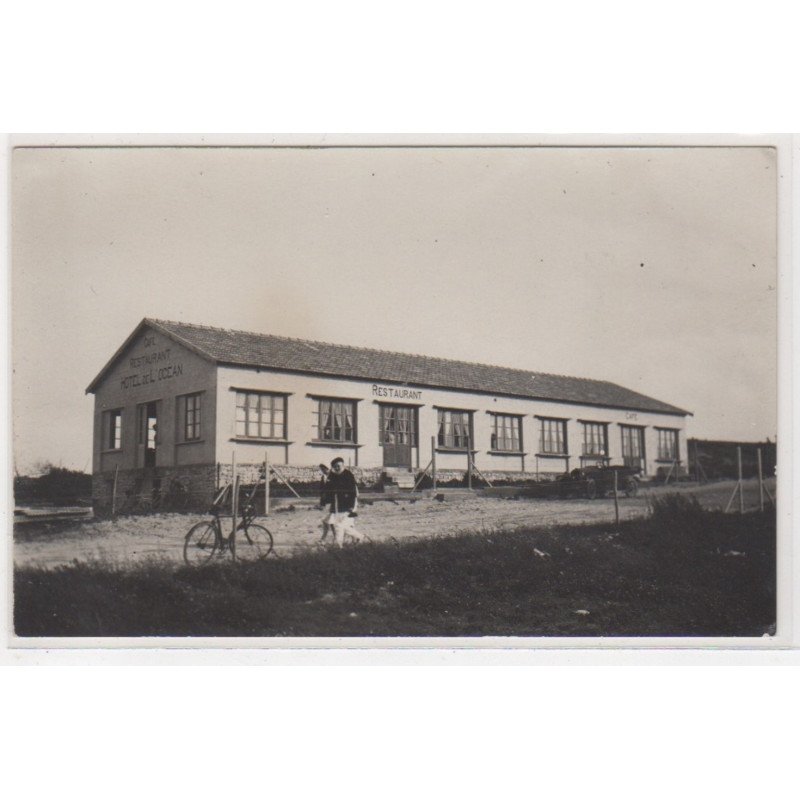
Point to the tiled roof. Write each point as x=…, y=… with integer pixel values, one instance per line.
x=275, y=352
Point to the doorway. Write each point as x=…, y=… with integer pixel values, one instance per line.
x=633, y=447
x=398, y=434
x=147, y=439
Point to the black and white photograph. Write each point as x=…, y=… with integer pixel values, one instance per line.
x=369, y=391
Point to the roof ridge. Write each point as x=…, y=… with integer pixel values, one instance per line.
x=376, y=350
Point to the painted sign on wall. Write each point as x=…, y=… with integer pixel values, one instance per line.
x=396, y=392
x=154, y=366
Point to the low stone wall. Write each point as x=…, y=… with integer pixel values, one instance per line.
x=455, y=477
x=192, y=488
x=297, y=476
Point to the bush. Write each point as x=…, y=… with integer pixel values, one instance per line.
x=55, y=485
x=682, y=516
x=676, y=506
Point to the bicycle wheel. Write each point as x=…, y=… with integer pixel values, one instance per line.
x=201, y=543
x=254, y=543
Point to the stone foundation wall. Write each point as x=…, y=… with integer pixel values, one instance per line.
x=458, y=477
x=298, y=476
x=139, y=490
x=142, y=490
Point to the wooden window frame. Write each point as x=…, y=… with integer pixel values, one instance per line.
x=413, y=431
x=641, y=439
x=196, y=424
x=675, y=445
x=442, y=435
x=343, y=442
x=587, y=424
x=112, y=430
x=564, y=452
x=495, y=440
x=260, y=421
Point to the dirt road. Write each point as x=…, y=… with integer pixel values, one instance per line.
x=161, y=535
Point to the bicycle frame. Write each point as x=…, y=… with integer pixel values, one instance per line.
x=247, y=509
x=259, y=539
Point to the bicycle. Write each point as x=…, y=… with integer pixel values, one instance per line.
x=205, y=540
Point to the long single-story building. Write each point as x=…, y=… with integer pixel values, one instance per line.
x=183, y=401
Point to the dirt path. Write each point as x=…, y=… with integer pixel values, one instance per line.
x=161, y=536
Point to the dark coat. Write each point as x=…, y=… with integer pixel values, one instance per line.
x=339, y=491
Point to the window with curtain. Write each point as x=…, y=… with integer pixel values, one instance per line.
x=454, y=428
x=667, y=444
x=506, y=433
x=553, y=436
x=595, y=439
x=398, y=425
x=336, y=421
x=632, y=445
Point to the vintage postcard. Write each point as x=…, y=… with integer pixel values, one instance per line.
x=382, y=392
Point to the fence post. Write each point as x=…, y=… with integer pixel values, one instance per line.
x=616, y=499
x=696, y=464
x=433, y=461
x=760, y=482
x=469, y=463
x=266, y=482
x=421, y=476
x=741, y=488
x=235, y=509
x=233, y=486
x=114, y=492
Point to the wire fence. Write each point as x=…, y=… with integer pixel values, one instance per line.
x=711, y=460
x=708, y=461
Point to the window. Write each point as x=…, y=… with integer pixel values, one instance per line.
x=114, y=429
x=398, y=425
x=506, y=433
x=595, y=439
x=667, y=444
x=553, y=436
x=632, y=446
x=260, y=415
x=191, y=418
x=454, y=428
x=336, y=421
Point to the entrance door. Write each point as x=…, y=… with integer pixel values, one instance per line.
x=147, y=434
x=398, y=434
x=633, y=447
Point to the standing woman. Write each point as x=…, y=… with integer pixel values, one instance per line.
x=340, y=494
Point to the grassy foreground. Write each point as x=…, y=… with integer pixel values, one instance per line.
x=700, y=574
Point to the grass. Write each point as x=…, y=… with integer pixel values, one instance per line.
x=681, y=572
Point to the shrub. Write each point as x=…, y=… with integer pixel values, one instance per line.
x=675, y=506
x=55, y=485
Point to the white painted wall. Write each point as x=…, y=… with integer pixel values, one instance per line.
x=301, y=415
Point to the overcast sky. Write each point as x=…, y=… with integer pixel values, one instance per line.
x=652, y=268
